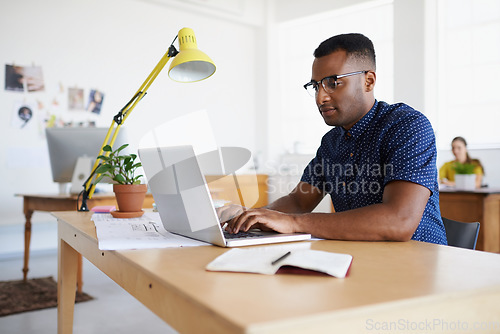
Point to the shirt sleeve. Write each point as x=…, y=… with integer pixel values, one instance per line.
x=313, y=173
x=412, y=151
x=478, y=170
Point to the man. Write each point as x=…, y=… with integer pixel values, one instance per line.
x=378, y=163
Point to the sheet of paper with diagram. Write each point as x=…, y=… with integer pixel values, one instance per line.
x=136, y=233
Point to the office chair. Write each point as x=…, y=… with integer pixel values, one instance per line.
x=461, y=234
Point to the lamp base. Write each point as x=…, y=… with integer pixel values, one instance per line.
x=84, y=194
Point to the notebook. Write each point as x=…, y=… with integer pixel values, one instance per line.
x=269, y=260
x=184, y=203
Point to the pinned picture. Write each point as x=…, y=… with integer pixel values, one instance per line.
x=14, y=78
x=23, y=115
x=75, y=99
x=34, y=78
x=95, y=101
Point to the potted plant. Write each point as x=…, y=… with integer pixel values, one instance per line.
x=129, y=192
x=464, y=176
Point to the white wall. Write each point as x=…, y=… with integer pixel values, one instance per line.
x=409, y=46
x=112, y=45
x=287, y=10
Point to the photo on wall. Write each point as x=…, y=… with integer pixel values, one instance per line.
x=14, y=78
x=75, y=99
x=33, y=77
x=17, y=77
x=95, y=101
x=23, y=114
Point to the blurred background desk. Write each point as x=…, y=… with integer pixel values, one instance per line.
x=253, y=188
x=481, y=205
x=56, y=202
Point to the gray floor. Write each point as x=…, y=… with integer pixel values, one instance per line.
x=112, y=311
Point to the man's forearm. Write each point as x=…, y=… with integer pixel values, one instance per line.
x=302, y=199
x=396, y=218
x=286, y=204
x=371, y=223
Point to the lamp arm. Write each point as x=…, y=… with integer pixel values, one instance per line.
x=121, y=117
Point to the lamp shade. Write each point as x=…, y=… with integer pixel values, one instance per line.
x=190, y=64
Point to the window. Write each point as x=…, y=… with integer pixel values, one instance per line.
x=469, y=68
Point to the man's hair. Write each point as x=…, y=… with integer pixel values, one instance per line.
x=357, y=46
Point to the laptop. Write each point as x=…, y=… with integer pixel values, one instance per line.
x=184, y=203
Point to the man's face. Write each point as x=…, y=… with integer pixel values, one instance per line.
x=348, y=102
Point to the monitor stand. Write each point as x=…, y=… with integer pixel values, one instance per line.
x=80, y=174
x=63, y=188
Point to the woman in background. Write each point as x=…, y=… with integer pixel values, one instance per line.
x=459, y=150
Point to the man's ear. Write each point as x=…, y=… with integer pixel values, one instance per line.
x=370, y=80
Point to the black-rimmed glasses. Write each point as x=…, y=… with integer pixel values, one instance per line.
x=329, y=83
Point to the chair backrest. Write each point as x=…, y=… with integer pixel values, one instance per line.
x=461, y=234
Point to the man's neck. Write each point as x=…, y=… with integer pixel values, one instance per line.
x=370, y=104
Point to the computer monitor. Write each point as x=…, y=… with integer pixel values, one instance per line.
x=67, y=145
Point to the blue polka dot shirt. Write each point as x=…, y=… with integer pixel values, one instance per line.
x=391, y=142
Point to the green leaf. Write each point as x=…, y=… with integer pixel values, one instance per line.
x=104, y=169
x=121, y=148
x=463, y=168
x=119, y=178
x=103, y=157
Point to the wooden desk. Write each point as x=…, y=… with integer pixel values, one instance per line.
x=55, y=202
x=407, y=283
x=481, y=205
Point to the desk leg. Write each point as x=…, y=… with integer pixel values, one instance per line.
x=66, y=281
x=27, y=240
x=79, y=280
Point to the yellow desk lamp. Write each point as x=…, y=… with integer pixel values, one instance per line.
x=189, y=65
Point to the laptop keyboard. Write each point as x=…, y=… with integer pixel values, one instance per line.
x=240, y=235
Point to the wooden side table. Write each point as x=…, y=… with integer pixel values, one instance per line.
x=55, y=202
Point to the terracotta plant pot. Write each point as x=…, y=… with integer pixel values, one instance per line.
x=130, y=197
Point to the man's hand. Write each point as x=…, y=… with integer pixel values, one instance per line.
x=228, y=212
x=280, y=216
x=264, y=219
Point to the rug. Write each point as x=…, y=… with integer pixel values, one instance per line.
x=35, y=294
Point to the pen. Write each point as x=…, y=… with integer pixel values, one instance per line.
x=281, y=258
